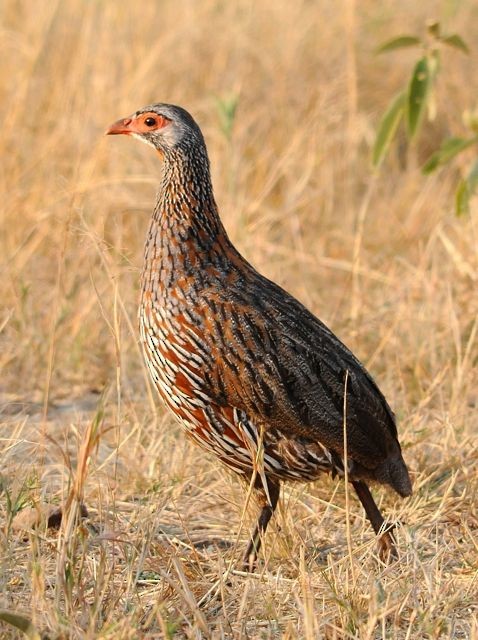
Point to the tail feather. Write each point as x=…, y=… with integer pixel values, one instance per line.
x=395, y=473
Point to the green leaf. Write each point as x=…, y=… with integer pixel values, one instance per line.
x=388, y=127
x=433, y=28
x=20, y=622
x=462, y=199
x=399, y=43
x=457, y=42
x=226, y=108
x=466, y=189
x=419, y=92
x=448, y=149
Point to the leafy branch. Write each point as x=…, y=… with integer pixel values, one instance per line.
x=417, y=100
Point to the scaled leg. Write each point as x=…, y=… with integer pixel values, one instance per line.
x=386, y=540
x=266, y=511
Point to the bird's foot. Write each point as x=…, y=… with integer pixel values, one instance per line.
x=249, y=563
x=387, y=549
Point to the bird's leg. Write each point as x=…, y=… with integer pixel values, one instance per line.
x=267, y=506
x=386, y=540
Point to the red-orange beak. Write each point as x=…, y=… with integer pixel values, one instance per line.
x=125, y=125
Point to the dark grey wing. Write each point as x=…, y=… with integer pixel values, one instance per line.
x=288, y=370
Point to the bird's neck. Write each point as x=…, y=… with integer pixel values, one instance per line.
x=186, y=235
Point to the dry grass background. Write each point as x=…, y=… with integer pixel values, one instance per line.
x=383, y=261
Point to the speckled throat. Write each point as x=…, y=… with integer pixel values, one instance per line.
x=186, y=236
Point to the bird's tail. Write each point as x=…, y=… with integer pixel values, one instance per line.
x=395, y=473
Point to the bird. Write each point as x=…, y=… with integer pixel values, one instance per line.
x=251, y=374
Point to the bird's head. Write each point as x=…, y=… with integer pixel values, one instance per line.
x=163, y=126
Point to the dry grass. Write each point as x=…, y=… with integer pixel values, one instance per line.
x=383, y=261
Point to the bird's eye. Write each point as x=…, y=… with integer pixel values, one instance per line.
x=150, y=122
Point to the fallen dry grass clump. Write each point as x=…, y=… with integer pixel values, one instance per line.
x=381, y=259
